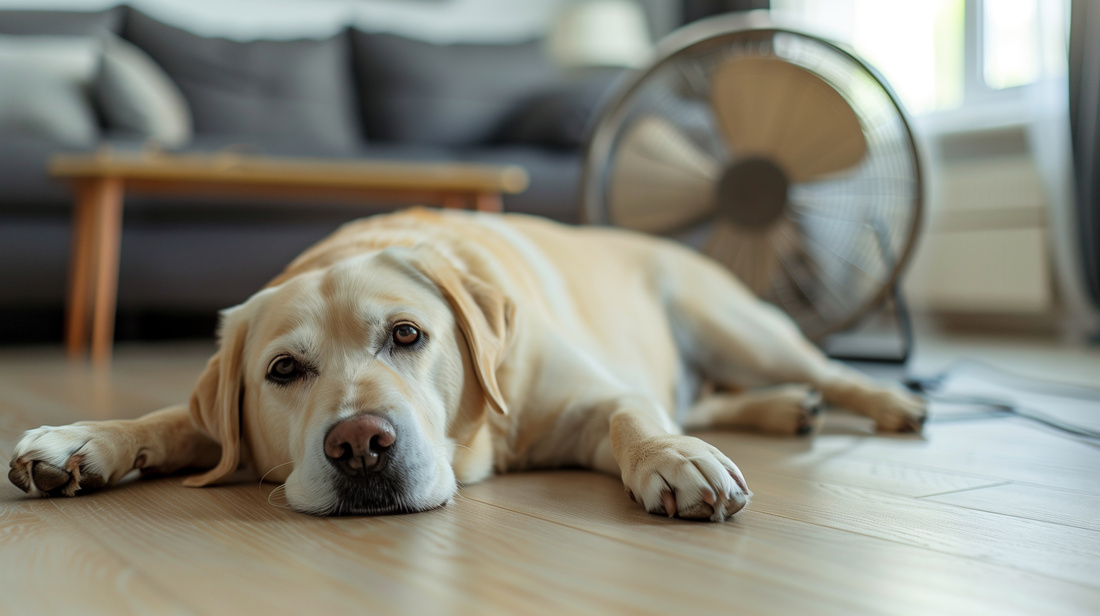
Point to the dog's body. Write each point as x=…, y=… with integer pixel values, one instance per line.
x=409, y=352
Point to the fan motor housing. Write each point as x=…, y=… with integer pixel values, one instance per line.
x=752, y=193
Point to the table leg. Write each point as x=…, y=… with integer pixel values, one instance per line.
x=81, y=273
x=488, y=202
x=109, y=231
x=93, y=281
x=454, y=201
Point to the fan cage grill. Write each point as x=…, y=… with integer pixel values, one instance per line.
x=855, y=228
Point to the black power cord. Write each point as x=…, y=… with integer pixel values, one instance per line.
x=929, y=386
x=995, y=408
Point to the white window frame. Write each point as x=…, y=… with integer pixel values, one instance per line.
x=983, y=107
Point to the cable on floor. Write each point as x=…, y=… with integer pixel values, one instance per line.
x=996, y=407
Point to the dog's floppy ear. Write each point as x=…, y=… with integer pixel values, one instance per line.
x=483, y=313
x=216, y=400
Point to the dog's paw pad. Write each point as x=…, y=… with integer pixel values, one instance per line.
x=684, y=477
x=61, y=461
x=793, y=410
x=897, y=411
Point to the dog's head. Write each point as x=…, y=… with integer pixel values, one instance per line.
x=354, y=383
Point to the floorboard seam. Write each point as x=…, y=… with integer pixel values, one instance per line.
x=1022, y=482
x=992, y=485
x=179, y=602
x=796, y=520
x=590, y=531
x=952, y=554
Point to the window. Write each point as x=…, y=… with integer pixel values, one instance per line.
x=941, y=55
x=1010, y=43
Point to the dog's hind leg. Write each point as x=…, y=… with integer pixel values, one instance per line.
x=584, y=416
x=737, y=340
x=74, y=459
x=784, y=409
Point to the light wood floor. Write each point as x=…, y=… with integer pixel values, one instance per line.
x=993, y=516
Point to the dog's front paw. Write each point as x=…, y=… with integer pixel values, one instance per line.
x=685, y=477
x=898, y=411
x=62, y=461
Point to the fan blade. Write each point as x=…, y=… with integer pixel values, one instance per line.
x=660, y=180
x=789, y=244
x=773, y=109
x=799, y=278
x=722, y=245
x=748, y=255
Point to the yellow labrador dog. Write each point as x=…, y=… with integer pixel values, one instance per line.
x=410, y=353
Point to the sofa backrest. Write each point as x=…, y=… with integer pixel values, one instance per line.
x=450, y=95
x=282, y=92
x=314, y=96
x=62, y=23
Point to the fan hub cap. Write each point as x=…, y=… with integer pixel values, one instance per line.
x=752, y=193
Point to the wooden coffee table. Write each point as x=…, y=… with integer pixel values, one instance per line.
x=102, y=180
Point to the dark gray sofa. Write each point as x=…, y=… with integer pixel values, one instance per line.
x=354, y=95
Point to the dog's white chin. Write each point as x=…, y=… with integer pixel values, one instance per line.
x=315, y=493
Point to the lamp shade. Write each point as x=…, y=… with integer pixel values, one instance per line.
x=600, y=33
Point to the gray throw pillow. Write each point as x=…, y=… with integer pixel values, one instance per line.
x=281, y=92
x=44, y=92
x=135, y=95
x=560, y=116
x=450, y=95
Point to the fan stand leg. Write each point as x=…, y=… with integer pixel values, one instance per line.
x=883, y=336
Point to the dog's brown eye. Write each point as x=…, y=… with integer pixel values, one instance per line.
x=405, y=334
x=284, y=370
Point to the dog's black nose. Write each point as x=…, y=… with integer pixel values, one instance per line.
x=360, y=445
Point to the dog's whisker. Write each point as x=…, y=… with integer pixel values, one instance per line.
x=447, y=445
x=281, y=490
x=259, y=487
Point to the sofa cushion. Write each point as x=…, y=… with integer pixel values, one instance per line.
x=62, y=23
x=45, y=81
x=298, y=91
x=135, y=95
x=451, y=95
x=561, y=115
x=24, y=183
x=555, y=179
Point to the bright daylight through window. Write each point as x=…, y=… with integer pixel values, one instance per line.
x=924, y=48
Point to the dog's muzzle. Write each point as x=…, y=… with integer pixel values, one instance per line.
x=379, y=465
